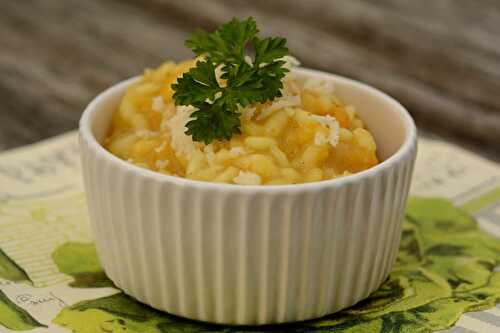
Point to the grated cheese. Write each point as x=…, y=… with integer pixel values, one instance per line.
x=247, y=112
x=237, y=151
x=323, y=86
x=278, y=104
x=218, y=73
x=247, y=178
x=161, y=147
x=209, y=153
x=320, y=139
x=144, y=133
x=162, y=164
x=248, y=60
x=333, y=126
x=181, y=142
x=290, y=62
x=157, y=104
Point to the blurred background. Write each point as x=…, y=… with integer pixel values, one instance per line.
x=441, y=59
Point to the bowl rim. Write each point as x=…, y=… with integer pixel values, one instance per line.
x=410, y=142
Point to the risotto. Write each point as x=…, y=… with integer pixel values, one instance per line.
x=306, y=135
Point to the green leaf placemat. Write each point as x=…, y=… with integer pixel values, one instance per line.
x=447, y=276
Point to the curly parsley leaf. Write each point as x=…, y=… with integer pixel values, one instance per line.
x=202, y=127
x=227, y=43
x=199, y=85
x=245, y=81
x=269, y=49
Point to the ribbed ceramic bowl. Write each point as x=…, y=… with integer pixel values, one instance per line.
x=250, y=254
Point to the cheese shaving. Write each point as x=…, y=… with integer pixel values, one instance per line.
x=157, y=104
x=181, y=142
x=290, y=62
x=322, y=86
x=247, y=178
x=161, y=164
x=248, y=60
x=209, y=153
x=332, y=125
x=237, y=151
x=161, y=147
x=247, y=112
x=144, y=133
x=320, y=139
x=278, y=104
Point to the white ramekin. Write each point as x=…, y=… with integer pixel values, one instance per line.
x=250, y=254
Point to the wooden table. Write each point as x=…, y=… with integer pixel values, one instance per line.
x=441, y=59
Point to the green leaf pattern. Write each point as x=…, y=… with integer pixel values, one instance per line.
x=446, y=266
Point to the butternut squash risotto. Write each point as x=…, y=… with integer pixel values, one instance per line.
x=307, y=135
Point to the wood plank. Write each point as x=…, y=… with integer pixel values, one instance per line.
x=441, y=59
x=57, y=55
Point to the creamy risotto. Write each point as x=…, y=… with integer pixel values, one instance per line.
x=306, y=135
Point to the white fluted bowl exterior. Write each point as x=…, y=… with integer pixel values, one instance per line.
x=248, y=254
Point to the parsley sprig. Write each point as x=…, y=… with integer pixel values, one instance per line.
x=246, y=82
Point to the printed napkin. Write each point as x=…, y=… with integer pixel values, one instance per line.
x=447, y=276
